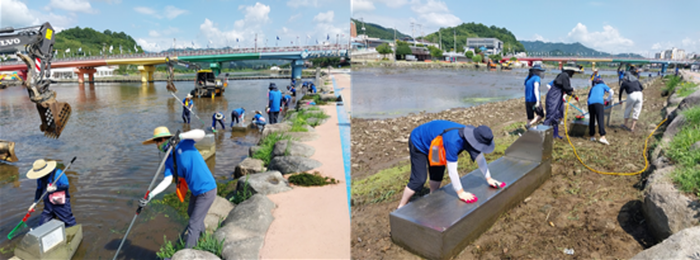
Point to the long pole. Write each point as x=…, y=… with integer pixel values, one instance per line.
x=183, y=104
x=138, y=211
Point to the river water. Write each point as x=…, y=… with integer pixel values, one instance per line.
x=395, y=92
x=113, y=169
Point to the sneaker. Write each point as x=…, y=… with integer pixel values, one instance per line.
x=593, y=139
x=604, y=141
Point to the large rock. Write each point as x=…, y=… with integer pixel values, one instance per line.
x=673, y=128
x=674, y=100
x=279, y=127
x=245, y=228
x=292, y=148
x=666, y=210
x=249, y=166
x=328, y=97
x=293, y=164
x=218, y=211
x=682, y=245
x=264, y=183
x=692, y=100
x=189, y=254
x=303, y=136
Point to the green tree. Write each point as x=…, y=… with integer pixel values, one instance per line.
x=470, y=54
x=513, y=58
x=477, y=58
x=402, y=50
x=477, y=50
x=384, y=48
x=495, y=57
x=435, y=52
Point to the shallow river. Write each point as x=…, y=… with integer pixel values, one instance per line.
x=113, y=169
x=395, y=92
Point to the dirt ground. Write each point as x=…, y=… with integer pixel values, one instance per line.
x=599, y=216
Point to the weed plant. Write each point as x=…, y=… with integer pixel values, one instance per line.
x=672, y=83
x=301, y=119
x=686, y=88
x=267, y=144
x=207, y=242
x=307, y=179
x=241, y=196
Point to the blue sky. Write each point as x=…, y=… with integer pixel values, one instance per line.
x=154, y=24
x=640, y=26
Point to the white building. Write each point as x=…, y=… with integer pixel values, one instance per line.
x=492, y=45
x=673, y=54
x=69, y=73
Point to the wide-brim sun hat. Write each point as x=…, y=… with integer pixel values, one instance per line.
x=159, y=132
x=481, y=138
x=258, y=112
x=571, y=68
x=40, y=169
x=537, y=67
x=219, y=116
x=189, y=96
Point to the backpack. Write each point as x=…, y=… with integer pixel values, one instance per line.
x=436, y=156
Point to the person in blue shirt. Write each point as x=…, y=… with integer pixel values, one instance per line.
x=259, y=119
x=190, y=167
x=313, y=87
x=218, y=117
x=237, y=115
x=532, y=95
x=274, y=103
x=285, y=100
x=456, y=138
x=186, y=109
x=596, y=107
x=293, y=90
x=57, y=199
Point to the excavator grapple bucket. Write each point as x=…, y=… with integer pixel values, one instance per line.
x=54, y=116
x=171, y=87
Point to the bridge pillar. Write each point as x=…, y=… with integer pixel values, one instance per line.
x=215, y=67
x=664, y=66
x=592, y=65
x=81, y=71
x=297, y=67
x=147, y=73
x=561, y=66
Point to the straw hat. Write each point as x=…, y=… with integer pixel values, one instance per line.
x=189, y=95
x=258, y=112
x=159, y=132
x=571, y=68
x=40, y=169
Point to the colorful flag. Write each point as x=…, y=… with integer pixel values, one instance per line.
x=278, y=38
x=80, y=49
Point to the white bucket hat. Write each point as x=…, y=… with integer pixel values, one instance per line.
x=41, y=168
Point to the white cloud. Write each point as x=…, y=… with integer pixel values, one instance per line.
x=608, y=40
x=361, y=6
x=294, y=17
x=219, y=38
x=153, y=33
x=259, y=13
x=434, y=13
x=285, y=30
x=149, y=45
x=326, y=17
x=171, y=12
x=300, y=3
x=538, y=37
x=82, y=6
x=145, y=10
x=394, y=3
x=16, y=14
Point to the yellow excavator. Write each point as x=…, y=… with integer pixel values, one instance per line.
x=34, y=46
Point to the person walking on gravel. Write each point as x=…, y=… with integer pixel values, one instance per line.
x=436, y=144
x=533, y=106
x=633, y=88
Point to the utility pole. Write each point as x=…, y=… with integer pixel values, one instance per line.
x=413, y=33
x=256, y=42
x=454, y=32
x=440, y=43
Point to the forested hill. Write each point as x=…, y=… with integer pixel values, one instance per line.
x=474, y=30
x=569, y=49
x=91, y=42
x=377, y=31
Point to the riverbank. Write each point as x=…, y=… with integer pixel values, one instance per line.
x=597, y=215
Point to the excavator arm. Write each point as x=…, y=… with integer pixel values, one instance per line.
x=37, y=44
x=171, y=67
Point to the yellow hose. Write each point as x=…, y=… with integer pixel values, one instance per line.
x=646, y=162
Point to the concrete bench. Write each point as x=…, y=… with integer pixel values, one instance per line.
x=439, y=225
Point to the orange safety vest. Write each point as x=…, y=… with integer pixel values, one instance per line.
x=436, y=156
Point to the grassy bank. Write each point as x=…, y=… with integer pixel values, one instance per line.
x=267, y=144
x=300, y=118
x=680, y=151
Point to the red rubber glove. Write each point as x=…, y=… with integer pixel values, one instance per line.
x=576, y=97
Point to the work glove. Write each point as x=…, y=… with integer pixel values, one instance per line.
x=32, y=206
x=143, y=202
x=51, y=188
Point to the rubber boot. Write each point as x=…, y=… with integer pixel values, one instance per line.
x=556, y=131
